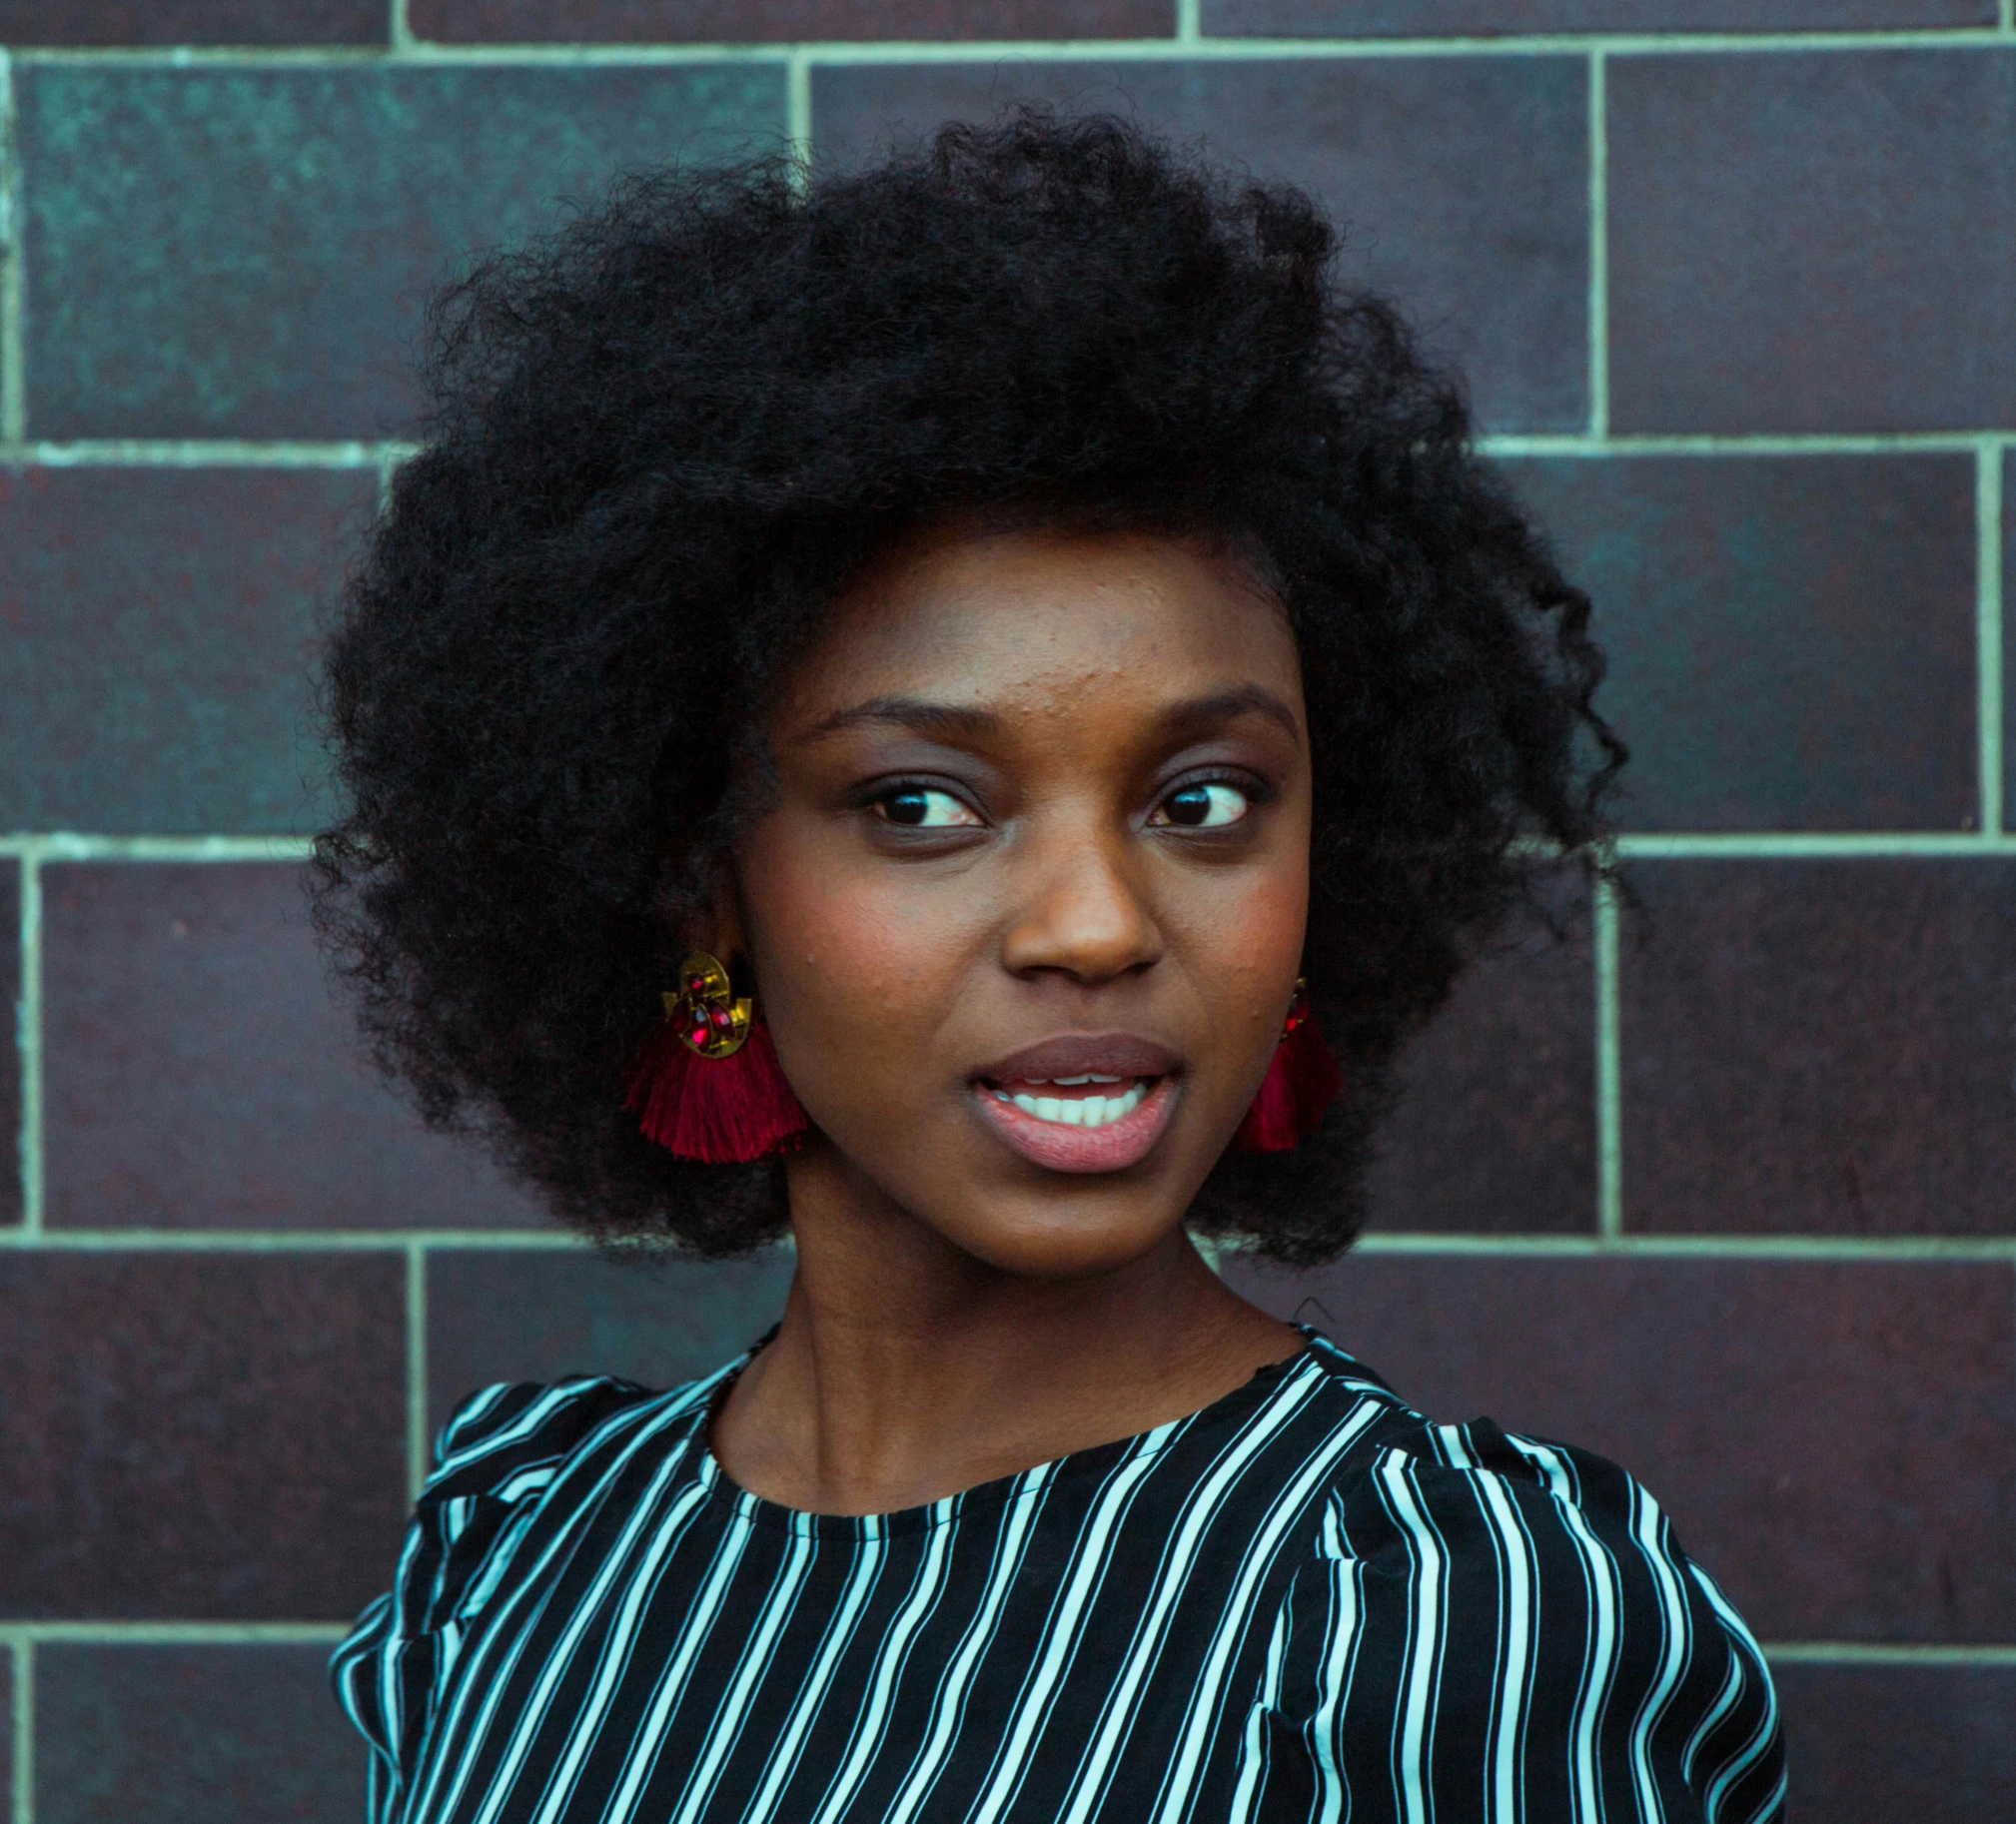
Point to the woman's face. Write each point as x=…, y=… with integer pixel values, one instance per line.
x=1028, y=912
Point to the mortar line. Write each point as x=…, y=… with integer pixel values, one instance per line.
x=398, y=32
x=20, y=1634
x=87, y=846
x=1609, y=1078
x=416, y=1368
x=202, y=452
x=28, y=1042
x=81, y=845
x=1798, y=846
x=13, y=268
x=2005, y=22
x=1577, y=1244
x=388, y=468
x=1873, y=1652
x=22, y=1652
x=1979, y=1250
x=234, y=453
x=993, y=50
x=1514, y=444
x=1599, y=252
x=1189, y=21
x=1988, y=632
x=798, y=112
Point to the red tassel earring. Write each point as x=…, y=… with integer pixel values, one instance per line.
x=708, y=1085
x=1301, y=1082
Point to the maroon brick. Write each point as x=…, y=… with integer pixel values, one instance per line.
x=159, y=644
x=537, y=1316
x=237, y=1734
x=1791, y=638
x=1873, y=1744
x=1818, y=240
x=10, y=1054
x=198, y=1074
x=1496, y=1127
x=113, y=22
x=1834, y=1440
x=1511, y=18
x=1461, y=183
x=199, y=1436
x=1821, y=1045
x=771, y=21
x=266, y=280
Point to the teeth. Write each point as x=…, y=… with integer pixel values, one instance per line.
x=1080, y=1111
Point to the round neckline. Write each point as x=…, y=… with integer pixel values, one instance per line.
x=721, y=1488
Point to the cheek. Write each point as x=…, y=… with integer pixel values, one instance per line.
x=854, y=972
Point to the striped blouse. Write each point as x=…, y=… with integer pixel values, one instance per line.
x=1303, y=1602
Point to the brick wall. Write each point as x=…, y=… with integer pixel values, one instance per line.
x=1729, y=1199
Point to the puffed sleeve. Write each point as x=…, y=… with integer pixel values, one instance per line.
x=1495, y=1628
x=493, y=1459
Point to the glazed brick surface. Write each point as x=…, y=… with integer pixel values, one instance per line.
x=198, y=1074
x=1496, y=1127
x=1510, y=18
x=120, y=22
x=265, y=283
x=1790, y=638
x=543, y=1315
x=160, y=639
x=1834, y=1441
x=10, y=1055
x=758, y=21
x=1878, y=1744
x=1812, y=242
x=200, y=1435
x=1461, y=185
x=1821, y=1047
x=235, y=1734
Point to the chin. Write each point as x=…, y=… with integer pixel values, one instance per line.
x=1054, y=1240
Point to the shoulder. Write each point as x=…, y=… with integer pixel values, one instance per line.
x=1483, y=1606
x=498, y=1460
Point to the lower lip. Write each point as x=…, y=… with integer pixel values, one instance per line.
x=1058, y=1148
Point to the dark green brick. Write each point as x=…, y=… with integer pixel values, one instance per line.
x=159, y=644
x=243, y=252
x=531, y=1315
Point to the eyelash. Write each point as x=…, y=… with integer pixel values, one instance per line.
x=1256, y=791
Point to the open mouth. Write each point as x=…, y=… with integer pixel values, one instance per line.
x=1081, y=1102
x=1076, y=1102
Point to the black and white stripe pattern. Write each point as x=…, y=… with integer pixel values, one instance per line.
x=1306, y=1602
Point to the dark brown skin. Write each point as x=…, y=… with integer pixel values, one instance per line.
x=959, y=1312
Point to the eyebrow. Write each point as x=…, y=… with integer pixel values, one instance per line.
x=957, y=722
x=911, y=713
x=1198, y=712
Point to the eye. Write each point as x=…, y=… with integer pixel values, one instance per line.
x=919, y=807
x=1206, y=805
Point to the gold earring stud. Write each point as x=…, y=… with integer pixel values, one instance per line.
x=711, y=1019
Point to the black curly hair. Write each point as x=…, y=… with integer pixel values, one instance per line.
x=660, y=442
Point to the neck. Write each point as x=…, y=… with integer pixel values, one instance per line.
x=905, y=1370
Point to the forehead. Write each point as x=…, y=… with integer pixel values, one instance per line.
x=1046, y=622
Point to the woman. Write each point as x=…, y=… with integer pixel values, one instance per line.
x=961, y=713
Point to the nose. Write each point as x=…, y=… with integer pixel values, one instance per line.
x=1083, y=912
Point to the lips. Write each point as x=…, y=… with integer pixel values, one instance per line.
x=1081, y=1102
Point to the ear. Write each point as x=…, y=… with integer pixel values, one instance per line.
x=719, y=927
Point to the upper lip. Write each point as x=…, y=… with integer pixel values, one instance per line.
x=1083, y=1053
